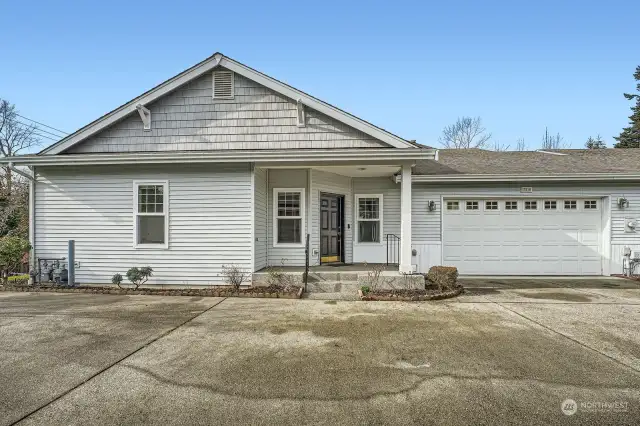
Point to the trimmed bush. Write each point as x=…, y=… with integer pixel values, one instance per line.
x=445, y=277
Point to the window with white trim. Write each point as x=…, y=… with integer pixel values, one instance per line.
x=453, y=205
x=531, y=205
x=511, y=205
x=369, y=218
x=491, y=205
x=570, y=205
x=472, y=205
x=151, y=210
x=590, y=204
x=550, y=205
x=288, y=216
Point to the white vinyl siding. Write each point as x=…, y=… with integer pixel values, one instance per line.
x=390, y=192
x=209, y=221
x=188, y=119
x=330, y=183
x=260, y=218
x=279, y=255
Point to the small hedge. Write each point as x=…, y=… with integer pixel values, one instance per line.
x=444, y=277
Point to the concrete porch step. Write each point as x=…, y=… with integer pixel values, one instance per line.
x=332, y=276
x=331, y=296
x=332, y=286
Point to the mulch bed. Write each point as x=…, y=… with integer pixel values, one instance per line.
x=218, y=291
x=632, y=278
x=410, y=295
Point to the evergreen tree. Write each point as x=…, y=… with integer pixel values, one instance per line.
x=596, y=143
x=630, y=136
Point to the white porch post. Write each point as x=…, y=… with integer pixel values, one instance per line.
x=405, y=220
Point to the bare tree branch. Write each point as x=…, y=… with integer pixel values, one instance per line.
x=499, y=147
x=15, y=137
x=466, y=132
x=553, y=142
x=520, y=145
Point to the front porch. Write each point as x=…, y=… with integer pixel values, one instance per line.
x=337, y=268
x=344, y=278
x=352, y=214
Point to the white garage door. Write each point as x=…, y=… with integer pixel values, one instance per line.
x=523, y=236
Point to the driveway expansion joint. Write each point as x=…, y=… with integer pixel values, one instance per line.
x=113, y=364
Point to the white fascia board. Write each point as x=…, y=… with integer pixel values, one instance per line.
x=316, y=104
x=364, y=156
x=205, y=66
x=126, y=109
x=524, y=178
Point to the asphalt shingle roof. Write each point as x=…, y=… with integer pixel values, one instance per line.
x=563, y=161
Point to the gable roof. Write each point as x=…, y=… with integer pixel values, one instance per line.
x=468, y=164
x=207, y=65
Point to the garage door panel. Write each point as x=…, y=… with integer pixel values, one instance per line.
x=523, y=242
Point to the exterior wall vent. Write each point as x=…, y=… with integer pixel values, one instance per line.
x=222, y=84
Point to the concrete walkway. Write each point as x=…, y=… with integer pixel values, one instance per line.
x=501, y=353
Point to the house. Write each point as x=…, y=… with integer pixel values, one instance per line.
x=224, y=165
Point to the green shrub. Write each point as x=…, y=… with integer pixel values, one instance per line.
x=445, y=277
x=117, y=280
x=139, y=276
x=12, y=249
x=365, y=289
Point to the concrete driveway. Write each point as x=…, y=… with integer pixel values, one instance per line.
x=505, y=352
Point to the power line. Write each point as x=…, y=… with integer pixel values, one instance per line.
x=46, y=137
x=36, y=128
x=35, y=133
x=53, y=128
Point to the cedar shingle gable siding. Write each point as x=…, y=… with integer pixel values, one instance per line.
x=188, y=119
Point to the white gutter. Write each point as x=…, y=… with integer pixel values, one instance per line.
x=524, y=178
x=20, y=172
x=362, y=155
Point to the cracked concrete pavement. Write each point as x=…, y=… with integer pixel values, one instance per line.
x=505, y=351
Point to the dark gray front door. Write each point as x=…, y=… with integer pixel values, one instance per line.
x=330, y=228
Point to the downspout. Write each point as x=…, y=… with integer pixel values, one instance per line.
x=32, y=224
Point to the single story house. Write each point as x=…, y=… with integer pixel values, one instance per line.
x=224, y=165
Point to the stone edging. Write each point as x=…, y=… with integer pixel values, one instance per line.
x=426, y=297
x=222, y=292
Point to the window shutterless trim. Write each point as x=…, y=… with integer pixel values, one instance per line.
x=452, y=203
x=492, y=203
x=379, y=219
x=472, y=203
x=275, y=217
x=165, y=214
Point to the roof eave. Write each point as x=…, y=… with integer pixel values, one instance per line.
x=468, y=178
x=363, y=156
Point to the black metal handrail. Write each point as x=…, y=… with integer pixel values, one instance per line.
x=306, y=262
x=393, y=249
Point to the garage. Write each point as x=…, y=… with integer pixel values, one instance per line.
x=523, y=236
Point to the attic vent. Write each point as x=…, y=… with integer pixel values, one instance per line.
x=223, y=85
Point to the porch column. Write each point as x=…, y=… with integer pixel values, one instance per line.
x=405, y=220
